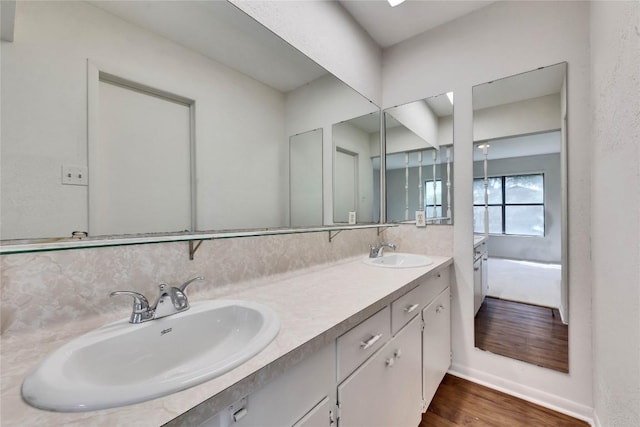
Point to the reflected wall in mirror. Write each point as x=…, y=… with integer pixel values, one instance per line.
x=419, y=160
x=248, y=91
x=519, y=203
x=305, y=181
x=356, y=146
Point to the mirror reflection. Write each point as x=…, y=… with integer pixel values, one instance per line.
x=158, y=117
x=520, y=304
x=305, y=178
x=419, y=156
x=357, y=145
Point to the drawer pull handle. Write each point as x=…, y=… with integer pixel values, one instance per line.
x=371, y=341
x=439, y=308
x=410, y=308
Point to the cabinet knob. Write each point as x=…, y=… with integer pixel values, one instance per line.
x=397, y=354
x=390, y=362
x=439, y=308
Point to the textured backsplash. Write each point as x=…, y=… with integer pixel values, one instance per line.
x=43, y=289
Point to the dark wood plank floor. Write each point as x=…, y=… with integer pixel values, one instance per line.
x=524, y=332
x=459, y=402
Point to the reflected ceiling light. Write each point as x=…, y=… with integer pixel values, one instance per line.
x=450, y=96
x=394, y=3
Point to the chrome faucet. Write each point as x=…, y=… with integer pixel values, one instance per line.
x=376, y=251
x=171, y=300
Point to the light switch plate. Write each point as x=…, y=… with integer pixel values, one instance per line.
x=74, y=175
x=352, y=217
x=420, y=219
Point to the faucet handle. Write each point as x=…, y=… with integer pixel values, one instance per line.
x=141, y=311
x=183, y=287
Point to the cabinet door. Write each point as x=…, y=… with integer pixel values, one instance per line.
x=436, y=344
x=477, y=285
x=320, y=416
x=385, y=390
x=485, y=275
x=285, y=400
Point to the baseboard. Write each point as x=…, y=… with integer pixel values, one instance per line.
x=596, y=420
x=563, y=315
x=539, y=397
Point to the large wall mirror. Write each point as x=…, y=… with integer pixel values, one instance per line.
x=519, y=202
x=149, y=117
x=419, y=161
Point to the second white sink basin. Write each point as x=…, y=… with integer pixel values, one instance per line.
x=399, y=260
x=121, y=363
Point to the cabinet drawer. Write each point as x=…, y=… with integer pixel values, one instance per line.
x=435, y=284
x=359, y=343
x=407, y=307
x=480, y=250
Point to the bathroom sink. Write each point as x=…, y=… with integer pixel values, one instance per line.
x=122, y=363
x=399, y=260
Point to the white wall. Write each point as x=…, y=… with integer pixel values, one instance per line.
x=503, y=39
x=44, y=119
x=326, y=33
x=615, y=209
x=518, y=118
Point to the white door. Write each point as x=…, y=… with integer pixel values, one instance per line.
x=139, y=163
x=345, y=185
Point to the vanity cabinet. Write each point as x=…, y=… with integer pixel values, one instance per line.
x=480, y=274
x=382, y=372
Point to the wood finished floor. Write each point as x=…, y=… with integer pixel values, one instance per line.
x=459, y=402
x=524, y=332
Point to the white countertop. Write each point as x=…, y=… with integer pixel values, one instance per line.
x=315, y=306
x=479, y=238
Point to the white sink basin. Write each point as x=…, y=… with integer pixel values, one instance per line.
x=121, y=363
x=399, y=260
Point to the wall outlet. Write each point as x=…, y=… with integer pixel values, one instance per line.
x=352, y=217
x=421, y=220
x=75, y=175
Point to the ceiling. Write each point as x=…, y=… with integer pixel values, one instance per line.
x=220, y=31
x=390, y=25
